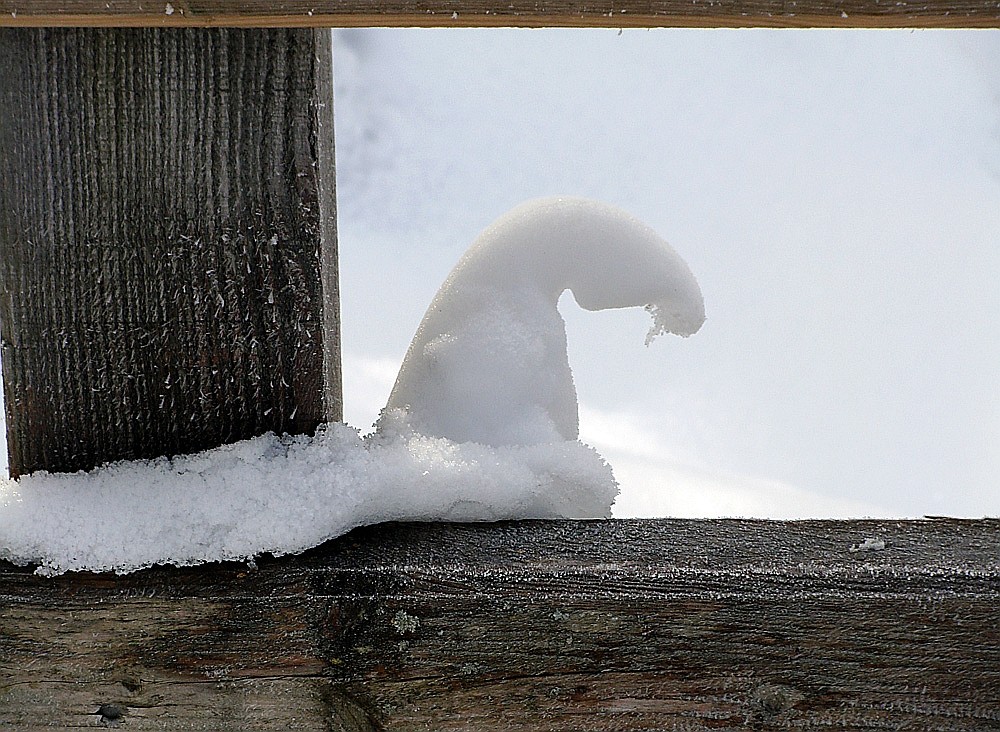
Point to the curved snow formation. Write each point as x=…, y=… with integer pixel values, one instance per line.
x=488, y=363
x=481, y=425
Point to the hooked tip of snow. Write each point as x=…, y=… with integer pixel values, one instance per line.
x=669, y=319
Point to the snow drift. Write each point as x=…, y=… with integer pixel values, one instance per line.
x=481, y=425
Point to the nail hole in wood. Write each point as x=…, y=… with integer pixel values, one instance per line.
x=111, y=714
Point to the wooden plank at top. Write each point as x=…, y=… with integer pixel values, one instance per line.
x=527, y=13
x=532, y=625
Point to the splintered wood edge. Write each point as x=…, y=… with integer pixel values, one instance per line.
x=562, y=13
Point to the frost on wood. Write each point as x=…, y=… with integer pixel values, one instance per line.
x=481, y=425
x=166, y=196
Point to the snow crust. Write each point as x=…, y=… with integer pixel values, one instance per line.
x=482, y=424
x=283, y=495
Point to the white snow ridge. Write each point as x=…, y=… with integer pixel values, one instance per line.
x=481, y=425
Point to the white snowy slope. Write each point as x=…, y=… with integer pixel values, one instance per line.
x=482, y=424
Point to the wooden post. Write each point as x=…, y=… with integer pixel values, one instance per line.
x=543, y=626
x=168, y=272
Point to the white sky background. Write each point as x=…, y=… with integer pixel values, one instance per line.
x=835, y=193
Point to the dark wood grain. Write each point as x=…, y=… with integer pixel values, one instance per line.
x=608, y=13
x=167, y=240
x=604, y=625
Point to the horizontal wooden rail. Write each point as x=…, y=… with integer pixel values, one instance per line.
x=598, y=625
x=532, y=13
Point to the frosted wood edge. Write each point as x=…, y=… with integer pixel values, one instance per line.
x=960, y=549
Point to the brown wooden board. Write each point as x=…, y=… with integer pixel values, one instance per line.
x=561, y=625
x=611, y=13
x=168, y=274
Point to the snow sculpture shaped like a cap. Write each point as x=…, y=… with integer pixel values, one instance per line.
x=488, y=363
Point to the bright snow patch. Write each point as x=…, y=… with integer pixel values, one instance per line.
x=482, y=423
x=870, y=544
x=283, y=495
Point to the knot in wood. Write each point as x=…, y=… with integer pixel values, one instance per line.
x=111, y=714
x=770, y=700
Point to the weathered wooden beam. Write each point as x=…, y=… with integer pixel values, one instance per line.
x=602, y=625
x=168, y=274
x=613, y=13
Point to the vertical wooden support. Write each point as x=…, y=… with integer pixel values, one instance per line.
x=168, y=264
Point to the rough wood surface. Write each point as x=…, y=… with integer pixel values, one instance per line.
x=610, y=13
x=604, y=625
x=167, y=241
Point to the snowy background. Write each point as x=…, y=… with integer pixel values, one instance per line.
x=835, y=193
